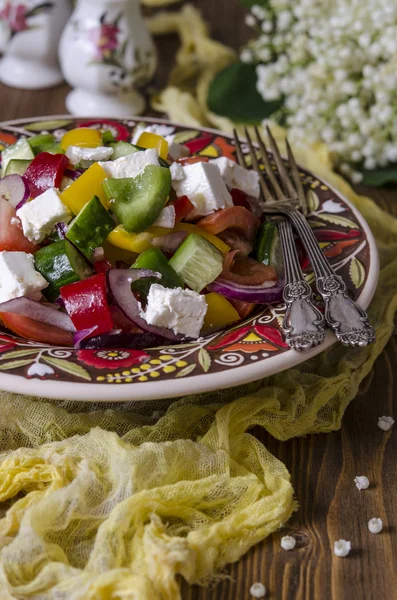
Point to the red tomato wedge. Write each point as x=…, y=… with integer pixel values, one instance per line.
x=192, y=160
x=246, y=271
x=38, y=332
x=11, y=236
x=236, y=217
x=183, y=207
x=243, y=308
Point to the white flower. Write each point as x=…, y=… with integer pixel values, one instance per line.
x=342, y=548
x=375, y=525
x=385, y=423
x=288, y=542
x=362, y=482
x=258, y=590
x=40, y=370
x=246, y=55
x=250, y=20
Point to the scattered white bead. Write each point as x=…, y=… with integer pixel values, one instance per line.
x=258, y=590
x=362, y=482
x=288, y=542
x=375, y=525
x=385, y=423
x=342, y=548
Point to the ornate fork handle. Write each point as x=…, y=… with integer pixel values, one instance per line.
x=303, y=324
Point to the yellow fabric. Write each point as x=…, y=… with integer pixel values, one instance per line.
x=112, y=504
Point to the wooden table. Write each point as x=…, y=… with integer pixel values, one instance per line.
x=323, y=466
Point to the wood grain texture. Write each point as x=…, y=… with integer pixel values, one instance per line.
x=323, y=466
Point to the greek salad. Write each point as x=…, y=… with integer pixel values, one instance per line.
x=106, y=243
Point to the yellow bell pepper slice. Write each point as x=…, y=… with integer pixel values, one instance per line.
x=190, y=228
x=151, y=140
x=220, y=312
x=133, y=242
x=84, y=137
x=88, y=185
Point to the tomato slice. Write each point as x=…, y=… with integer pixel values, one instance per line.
x=192, y=160
x=183, y=207
x=38, y=332
x=237, y=218
x=246, y=271
x=12, y=238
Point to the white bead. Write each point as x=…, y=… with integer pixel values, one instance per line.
x=342, y=548
x=385, y=423
x=375, y=525
x=288, y=542
x=362, y=482
x=258, y=590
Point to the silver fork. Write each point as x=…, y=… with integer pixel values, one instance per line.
x=303, y=324
x=348, y=320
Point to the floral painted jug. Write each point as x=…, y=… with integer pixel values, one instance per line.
x=106, y=53
x=29, y=37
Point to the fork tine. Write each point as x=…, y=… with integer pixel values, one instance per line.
x=268, y=167
x=288, y=187
x=240, y=156
x=265, y=190
x=297, y=179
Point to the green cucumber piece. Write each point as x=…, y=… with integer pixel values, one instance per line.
x=154, y=260
x=41, y=142
x=20, y=151
x=17, y=166
x=138, y=201
x=121, y=149
x=197, y=262
x=90, y=228
x=268, y=249
x=108, y=137
x=55, y=149
x=60, y=264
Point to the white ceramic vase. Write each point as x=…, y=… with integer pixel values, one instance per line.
x=106, y=52
x=30, y=32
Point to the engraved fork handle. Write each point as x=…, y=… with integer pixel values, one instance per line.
x=303, y=324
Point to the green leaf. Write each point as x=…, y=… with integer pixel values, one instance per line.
x=233, y=94
x=357, y=272
x=338, y=220
x=49, y=125
x=18, y=354
x=312, y=201
x=187, y=370
x=68, y=367
x=379, y=177
x=204, y=360
x=15, y=364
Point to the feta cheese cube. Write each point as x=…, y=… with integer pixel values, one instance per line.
x=75, y=154
x=131, y=165
x=237, y=177
x=183, y=311
x=177, y=172
x=39, y=216
x=166, y=218
x=205, y=188
x=176, y=151
x=18, y=277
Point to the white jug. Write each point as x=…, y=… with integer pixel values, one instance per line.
x=30, y=32
x=105, y=53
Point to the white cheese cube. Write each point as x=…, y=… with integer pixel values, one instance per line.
x=75, y=154
x=237, y=177
x=183, y=311
x=177, y=172
x=176, y=151
x=39, y=216
x=166, y=218
x=131, y=165
x=18, y=277
x=205, y=188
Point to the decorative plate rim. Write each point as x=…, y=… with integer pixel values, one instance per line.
x=193, y=384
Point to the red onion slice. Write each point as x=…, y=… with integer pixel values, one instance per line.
x=119, y=283
x=15, y=189
x=73, y=174
x=83, y=334
x=38, y=312
x=170, y=242
x=269, y=292
x=61, y=229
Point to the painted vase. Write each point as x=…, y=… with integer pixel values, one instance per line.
x=29, y=37
x=106, y=52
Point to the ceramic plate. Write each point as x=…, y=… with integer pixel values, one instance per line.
x=251, y=350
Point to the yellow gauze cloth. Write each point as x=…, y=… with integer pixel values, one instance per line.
x=109, y=504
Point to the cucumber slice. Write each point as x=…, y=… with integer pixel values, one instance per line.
x=55, y=149
x=17, y=166
x=154, y=260
x=197, y=262
x=122, y=149
x=20, y=151
x=268, y=248
x=108, y=137
x=91, y=227
x=138, y=201
x=60, y=264
x=41, y=142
